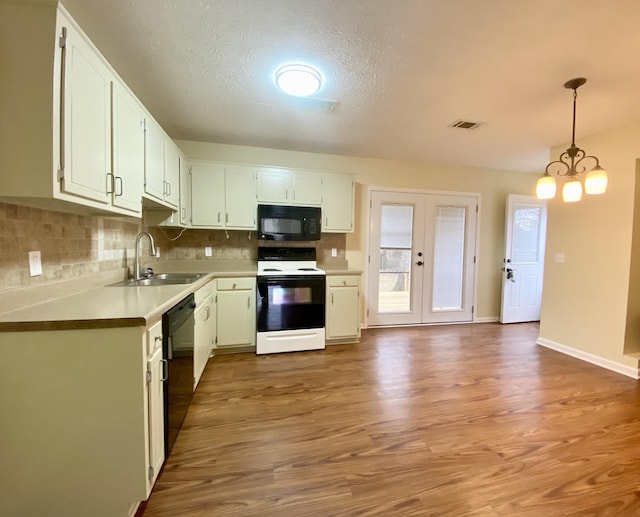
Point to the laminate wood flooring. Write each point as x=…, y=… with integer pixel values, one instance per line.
x=448, y=421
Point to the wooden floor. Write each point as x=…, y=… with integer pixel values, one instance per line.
x=446, y=421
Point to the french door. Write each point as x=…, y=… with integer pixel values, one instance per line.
x=421, y=258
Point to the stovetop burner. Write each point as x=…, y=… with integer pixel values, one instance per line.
x=287, y=261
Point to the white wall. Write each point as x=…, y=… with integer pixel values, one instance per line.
x=585, y=299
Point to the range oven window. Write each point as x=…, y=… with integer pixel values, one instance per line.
x=290, y=302
x=289, y=295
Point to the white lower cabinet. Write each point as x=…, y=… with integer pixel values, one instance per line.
x=205, y=329
x=236, y=312
x=155, y=400
x=343, y=307
x=92, y=428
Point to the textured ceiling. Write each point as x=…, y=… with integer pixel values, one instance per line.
x=401, y=71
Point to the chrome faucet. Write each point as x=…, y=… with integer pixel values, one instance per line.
x=137, y=274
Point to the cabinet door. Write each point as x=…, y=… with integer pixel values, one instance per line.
x=185, y=193
x=273, y=186
x=306, y=188
x=337, y=203
x=241, y=203
x=86, y=137
x=154, y=160
x=171, y=173
x=128, y=150
x=156, y=414
x=207, y=195
x=202, y=339
x=342, y=312
x=236, y=318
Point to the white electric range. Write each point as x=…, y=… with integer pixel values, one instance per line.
x=290, y=300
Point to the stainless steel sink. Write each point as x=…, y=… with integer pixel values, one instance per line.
x=161, y=279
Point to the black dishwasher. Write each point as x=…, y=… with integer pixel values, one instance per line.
x=177, y=350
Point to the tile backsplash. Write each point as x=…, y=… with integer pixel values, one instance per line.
x=73, y=246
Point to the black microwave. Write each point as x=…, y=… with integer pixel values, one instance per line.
x=289, y=223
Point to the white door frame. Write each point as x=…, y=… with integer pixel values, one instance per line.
x=475, y=244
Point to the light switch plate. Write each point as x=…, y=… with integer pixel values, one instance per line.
x=334, y=252
x=558, y=256
x=35, y=263
x=208, y=252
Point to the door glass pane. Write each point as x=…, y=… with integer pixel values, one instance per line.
x=526, y=229
x=396, y=224
x=448, y=258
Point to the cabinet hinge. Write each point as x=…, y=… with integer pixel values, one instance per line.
x=216, y=341
x=369, y=261
x=151, y=472
x=476, y=209
x=367, y=313
x=190, y=171
x=473, y=309
x=149, y=377
x=60, y=174
x=474, y=259
x=62, y=42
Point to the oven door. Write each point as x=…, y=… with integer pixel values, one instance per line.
x=290, y=302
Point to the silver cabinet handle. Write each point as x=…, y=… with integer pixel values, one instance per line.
x=248, y=302
x=119, y=181
x=331, y=298
x=286, y=193
x=226, y=217
x=165, y=369
x=110, y=183
x=218, y=216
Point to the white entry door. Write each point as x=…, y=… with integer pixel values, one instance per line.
x=524, y=259
x=421, y=258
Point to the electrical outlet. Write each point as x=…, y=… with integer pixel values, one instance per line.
x=334, y=252
x=208, y=252
x=35, y=263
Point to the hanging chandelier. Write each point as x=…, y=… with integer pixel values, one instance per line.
x=571, y=165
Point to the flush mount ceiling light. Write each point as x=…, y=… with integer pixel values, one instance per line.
x=299, y=80
x=571, y=165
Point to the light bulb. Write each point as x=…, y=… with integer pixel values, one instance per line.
x=596, y=181
x=546, y=187
x=572, y=191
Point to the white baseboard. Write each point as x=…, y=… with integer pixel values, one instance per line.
x=614, y=366
x=488, y=319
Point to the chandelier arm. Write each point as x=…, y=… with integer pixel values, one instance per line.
x=558, y=172
x=584, y=167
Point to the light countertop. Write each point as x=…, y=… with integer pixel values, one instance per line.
x=107, y=306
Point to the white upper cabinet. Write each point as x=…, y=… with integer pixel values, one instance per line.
x=289, y=187
x=273, y=185
x=207, y=195
x=75, y=127
x=85, y=140
x=306, y=188
x=128, y=150
x=223, y=196
x=154, y=160
x=337, y=202
x=240, y=197
x=171, y=173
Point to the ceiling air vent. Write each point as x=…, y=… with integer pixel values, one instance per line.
x=465, y=124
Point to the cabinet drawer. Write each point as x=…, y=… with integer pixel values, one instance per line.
x=203, y=293
x=234, y=284
x=154, y=338
x=343, y=280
